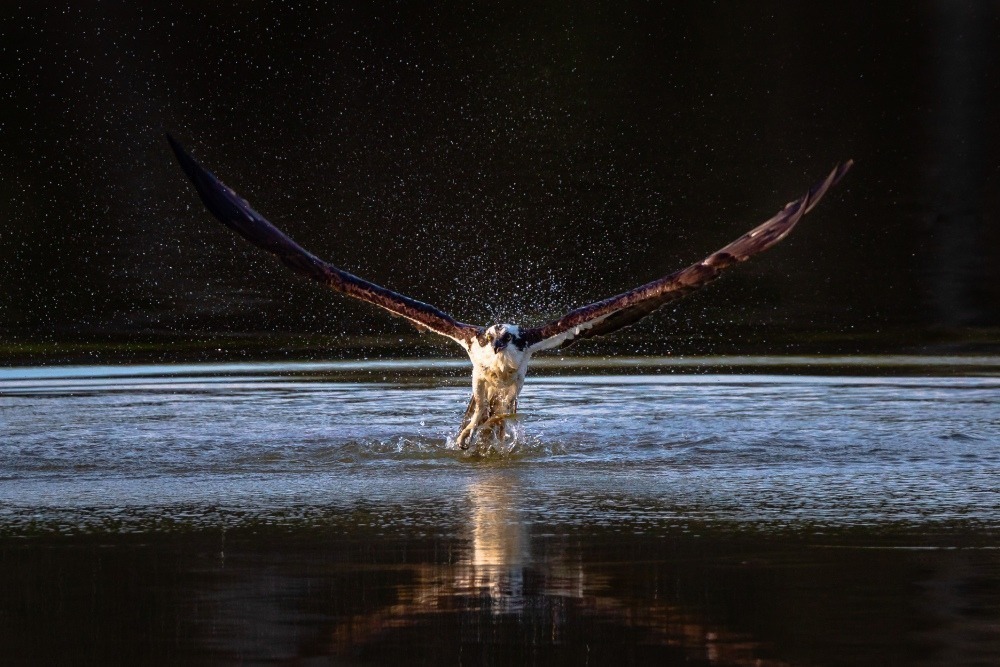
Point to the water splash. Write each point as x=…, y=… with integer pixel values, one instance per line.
x=273, y=443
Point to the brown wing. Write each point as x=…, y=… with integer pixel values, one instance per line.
x=234, y=212
x=624, y=309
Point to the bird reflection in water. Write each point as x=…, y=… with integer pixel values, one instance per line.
x=499, y=589
x=494, y=569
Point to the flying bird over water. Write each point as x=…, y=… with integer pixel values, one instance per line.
x=500, y=353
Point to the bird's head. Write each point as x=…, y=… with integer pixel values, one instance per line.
x=500, y=336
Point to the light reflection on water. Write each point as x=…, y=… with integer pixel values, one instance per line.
x=296, y=512
x=262, y=442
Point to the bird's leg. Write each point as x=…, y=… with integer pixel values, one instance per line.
x=502, y=406
x=489, y=408
x=475, y=414
x=467, y=425
x=500, y=411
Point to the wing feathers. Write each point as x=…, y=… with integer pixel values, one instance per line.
x=237, y=214
x=627, y=308
x=595, y=319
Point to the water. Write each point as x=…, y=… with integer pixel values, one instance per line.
x=293, y=512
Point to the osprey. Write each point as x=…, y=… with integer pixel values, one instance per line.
x=499, y=353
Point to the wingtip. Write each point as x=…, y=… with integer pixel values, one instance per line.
x=819, y=190
x=844, y=167
x=212, y=192
x=840, y=170
x=179, y=152
x=191, y=167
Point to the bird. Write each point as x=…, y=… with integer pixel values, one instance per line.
x=500, y=352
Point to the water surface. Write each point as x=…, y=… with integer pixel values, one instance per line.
x=275, y=513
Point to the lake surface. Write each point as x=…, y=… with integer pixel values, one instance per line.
x=319, y=514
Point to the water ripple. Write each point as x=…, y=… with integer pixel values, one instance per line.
x=271, y=443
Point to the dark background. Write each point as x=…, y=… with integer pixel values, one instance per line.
x=502, y=161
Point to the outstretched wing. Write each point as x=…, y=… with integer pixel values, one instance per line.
x=234, y=212
x=624, y=309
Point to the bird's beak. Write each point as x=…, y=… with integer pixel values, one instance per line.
x=499, y=344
